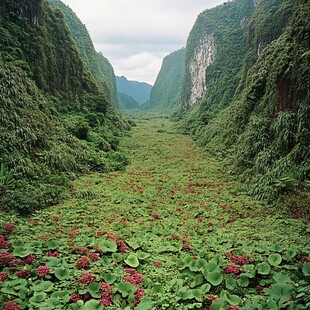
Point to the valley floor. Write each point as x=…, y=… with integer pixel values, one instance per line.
x=177, y=218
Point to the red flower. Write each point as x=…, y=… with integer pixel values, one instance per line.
x=8, y=227
x=3, y=276
x=29, y=259
x=240, y=260
x=24, y=274
x=122, y=246
x=132, y=276
x=123, y=222
x=53, y=254
x=231, y=220
x=80, y=250
x=7, y=259
x=43, y=271
x=305, y=259
x=232, y=269
x=224, y=206
x=212, y=298
x=4, y=244
x=200, y=219
x=12, y=306
x=155, y=216
x=87, y=278
x=106, y=296
x=158, y=264
x=75, y=298
x=93, y=256
x=233, y=307
x=83, y=263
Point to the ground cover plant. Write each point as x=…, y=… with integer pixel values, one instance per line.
x=171, y=231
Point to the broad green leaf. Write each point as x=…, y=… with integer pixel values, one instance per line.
x=306, y=269
x=37, y=299
x=233, y=300
x=215, y=278
x=93, y=304
x=108, y=246
x=243, y=281
x=62, y=273
x=132, y=260
x=275, y=259
x=94, y=290
x=230, y=283
x=42, y=286
x=53, y=262
x=281, y=292
x=263, y=268
x=145, y=304
x=61, y=295
x=109, y=278
x=125, y=288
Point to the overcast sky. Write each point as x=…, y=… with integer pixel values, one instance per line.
x=135, y=35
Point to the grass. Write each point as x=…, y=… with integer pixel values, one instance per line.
x=171, y=217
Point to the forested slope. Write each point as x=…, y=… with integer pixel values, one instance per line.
x=56, y=121
x=98, y=65
x=254, y=105
x=165, y=94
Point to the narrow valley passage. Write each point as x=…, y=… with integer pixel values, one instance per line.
x=173, y=207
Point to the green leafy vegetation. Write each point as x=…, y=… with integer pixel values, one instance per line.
x=254, y=111
x=165, y=94
x=56, y=122
x=172, y=231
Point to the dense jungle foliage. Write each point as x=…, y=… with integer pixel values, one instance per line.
x=256, y=109
x=127, y=102
x=97, y=64
x=165, y=94
x=56, y=121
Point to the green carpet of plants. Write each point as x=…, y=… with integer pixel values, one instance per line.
x=171, y=231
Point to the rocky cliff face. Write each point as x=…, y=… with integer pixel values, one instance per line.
x=214, y=52
x=202, y=57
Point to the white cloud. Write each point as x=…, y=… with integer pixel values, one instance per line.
x=135, y=35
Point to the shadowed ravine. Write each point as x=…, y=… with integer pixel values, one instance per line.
x=167, y=215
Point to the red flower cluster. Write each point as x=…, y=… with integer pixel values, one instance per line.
x=106, y=295
x=80, y=250
x=75, y=298
x=232, y=269
x=29, y=259
x=155, y=216
x=212, y=298
x=158, y=264
x=43, y=271
x=132, y=276
x=12, y=306
x=93, y=256
x=240, y=260
x=7, y=259
x=53, y=254
x=24, y=274
x=3, y=276
x=305, y=259
x=135, y=278
x=87, y=278
x=231, y=220
x=122, y=246
x=83, y=263
x=8, y=227
x=4, y=244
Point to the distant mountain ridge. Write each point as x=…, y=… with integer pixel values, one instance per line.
x=140, y=91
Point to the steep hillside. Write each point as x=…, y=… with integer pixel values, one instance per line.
x=55, y=121
x=140, y=91
x=127, y=102
x=265, y=127
x=165, y=94
x=215, y=50
x=98, y=65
